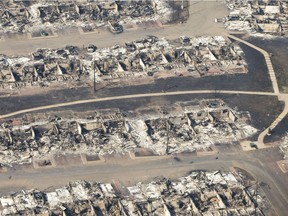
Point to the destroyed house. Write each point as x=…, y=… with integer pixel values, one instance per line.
x=49, y=13
x=159, y=197
x=14, y=15
x=105, y=67
x=26, y=16
x=63, y=68
x=177, y=129
x=258, y=16
x=28, y=73
x=6, y=75
x=198, y=127
x=114, y=127
x=150, y=55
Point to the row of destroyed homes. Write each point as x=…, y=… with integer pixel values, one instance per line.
x=200, y=193
x=184, y=128
x=149, y=57
x=27, y=16
x=258, y=16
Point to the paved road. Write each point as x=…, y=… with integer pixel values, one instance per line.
x=201, y=22
x=131, y=171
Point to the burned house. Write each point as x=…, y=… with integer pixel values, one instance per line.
x=202, y=125
x=200, y=193
x=62, y=200
x=14, y=16
x=169, y=133
x=45, y=66
x=23, y=16
x=263, y=16
x=148, y=57
x=202, y=56
x=189, y=129
x=99, y=136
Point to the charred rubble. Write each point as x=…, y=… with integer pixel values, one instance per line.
x=200, y=193
x=149, y=57
x=41, y=68
x=259, y=16
x=200, y=56
x=28, y=16
x=284, y=147
x=184, y=129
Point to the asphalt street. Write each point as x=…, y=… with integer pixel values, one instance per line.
x=130, y=171
x=260, y=164
x=201, y=22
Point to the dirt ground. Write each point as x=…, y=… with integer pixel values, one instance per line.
x=278, y=47
x=256, y=79
x=263, y=109
x=279, y=132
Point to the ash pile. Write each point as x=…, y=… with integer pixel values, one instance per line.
x=183, y=128
x=200, y=193
x=150, y=57
x=265, y=17
x=28, y=16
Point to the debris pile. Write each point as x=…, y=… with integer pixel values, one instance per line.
x=202, y=125
x=183, y=129
x=28, y=16
x=102, y=134
x=257, y=16
x=200, y=193
x=284, y=147
x=149, y=57
x=45, y=66
x=200, y=56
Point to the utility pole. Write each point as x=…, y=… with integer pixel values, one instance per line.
x=94, y=78
x=167, y=130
